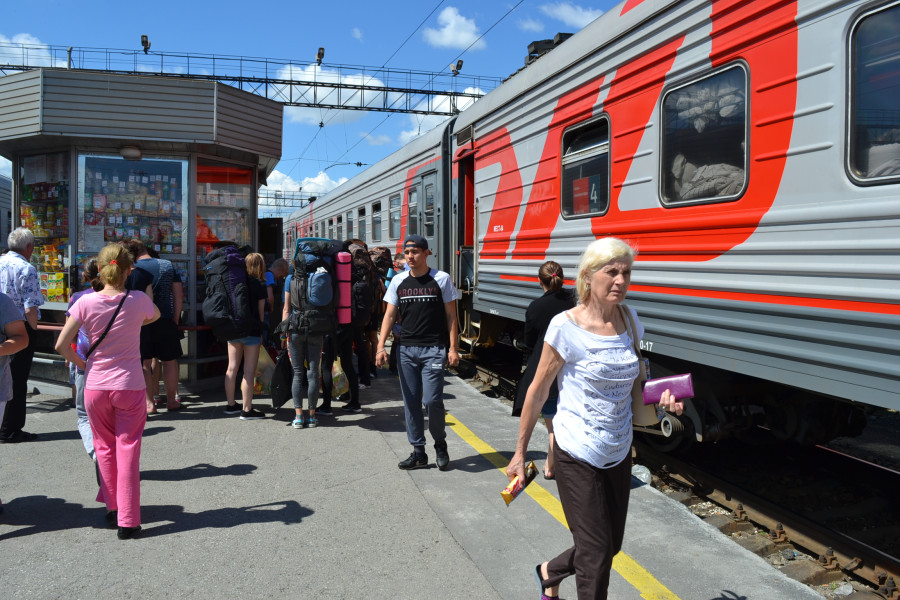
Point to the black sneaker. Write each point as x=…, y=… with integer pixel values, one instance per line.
x=127, y=533
x=234, y=409
x=251, y=415
x=325, y=411
x=441, y=457
x=354, y=408
x=415, y=461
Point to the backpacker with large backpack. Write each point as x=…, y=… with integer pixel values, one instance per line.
x=313, y=290
x=364, y=285
x=226, y=307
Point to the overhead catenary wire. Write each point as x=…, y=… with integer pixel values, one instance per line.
x=497, y=22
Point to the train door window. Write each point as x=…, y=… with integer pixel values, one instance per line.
x=331, y=228
x=361, y=216
x=429, y=211
x=412, y=212
x=376, y=222
x=394, y=231
x=349, y=224
x=585, y=170
x=875, y=80
x=704, y=139
x=340, y=228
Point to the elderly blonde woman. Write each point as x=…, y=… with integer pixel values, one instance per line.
x=589, y=351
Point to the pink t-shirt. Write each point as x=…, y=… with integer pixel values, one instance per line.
x=116, y=362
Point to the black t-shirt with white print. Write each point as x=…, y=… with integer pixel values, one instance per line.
x=420, y=301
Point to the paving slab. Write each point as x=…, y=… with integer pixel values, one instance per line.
x=257, y=509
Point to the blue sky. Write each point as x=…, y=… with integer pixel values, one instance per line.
x=352, y=32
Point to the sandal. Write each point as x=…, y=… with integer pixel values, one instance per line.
x=177, y=406
x=151, y=410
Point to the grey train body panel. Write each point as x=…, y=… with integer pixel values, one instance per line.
x=793, y=278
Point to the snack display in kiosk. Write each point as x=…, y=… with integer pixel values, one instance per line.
x=44, y=210
x=123, y=199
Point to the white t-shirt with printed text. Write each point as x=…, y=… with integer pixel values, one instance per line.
x=593, y=419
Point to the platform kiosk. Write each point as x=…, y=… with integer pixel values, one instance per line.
x=99, y=158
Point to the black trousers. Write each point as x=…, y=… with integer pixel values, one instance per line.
x=595, y=502
x=19, y=368
x=339, y=345
x=362, y=355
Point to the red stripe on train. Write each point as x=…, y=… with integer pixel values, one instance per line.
x=851, y=305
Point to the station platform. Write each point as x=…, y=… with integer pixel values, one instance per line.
x=257, y=509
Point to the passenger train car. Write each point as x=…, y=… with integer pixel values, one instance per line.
x=750, y=151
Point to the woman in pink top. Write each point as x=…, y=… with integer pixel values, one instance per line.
x=114, y=383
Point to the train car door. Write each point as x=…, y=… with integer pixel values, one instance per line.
x=429, y=218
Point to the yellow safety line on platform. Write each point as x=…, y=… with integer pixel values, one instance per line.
x=649, y=587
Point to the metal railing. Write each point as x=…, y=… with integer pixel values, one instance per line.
x=293, y=83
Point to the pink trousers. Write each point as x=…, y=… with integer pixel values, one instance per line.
x=117, y=419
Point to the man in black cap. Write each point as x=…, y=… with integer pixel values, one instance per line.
x=425, y=300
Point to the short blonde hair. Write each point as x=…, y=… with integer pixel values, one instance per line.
x=597, y=255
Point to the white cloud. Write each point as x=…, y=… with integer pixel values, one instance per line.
x=33, y=52
x=420, y=124
x=376, y=140
x=572, y=15
x=281, y=182
x=321, y=183
x=530, y=25
x=357, y=33
x=329, y=95
x=456, y=31
x=5, y=167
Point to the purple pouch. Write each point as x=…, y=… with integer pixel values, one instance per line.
x=681, y=387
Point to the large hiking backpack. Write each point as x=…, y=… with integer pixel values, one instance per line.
x=313, y=289
x=363, y=284
x=226, y=308
x=382, y=259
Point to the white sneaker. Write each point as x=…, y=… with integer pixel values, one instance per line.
x=363, y=386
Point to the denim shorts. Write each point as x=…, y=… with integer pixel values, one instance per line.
x=250, y=340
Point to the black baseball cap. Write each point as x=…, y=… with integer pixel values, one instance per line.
x=417, y=241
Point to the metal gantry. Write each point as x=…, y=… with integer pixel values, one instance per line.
x=293, y=83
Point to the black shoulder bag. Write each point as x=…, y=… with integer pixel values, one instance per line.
x=111, y=321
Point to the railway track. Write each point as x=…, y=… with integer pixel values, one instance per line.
x=829, y=504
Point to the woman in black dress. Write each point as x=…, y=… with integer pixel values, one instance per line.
x=555, y=300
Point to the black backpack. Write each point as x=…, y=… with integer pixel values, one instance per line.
x=313, y=290
x=363, y=285
x=226, y=308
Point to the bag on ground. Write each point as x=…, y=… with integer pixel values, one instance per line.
x=340, y=385
x=282, y=377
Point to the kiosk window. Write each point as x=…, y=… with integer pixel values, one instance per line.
x=585, y=170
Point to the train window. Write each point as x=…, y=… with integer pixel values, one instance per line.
x=361, y=216
x=585, y=170
x=394, y=232
x=331, y=228
x=349, y=224
x=704, y=139
x=412, y=212
x=340, y=228
x=875, y=82
x=429, y=211
x=376, y=222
